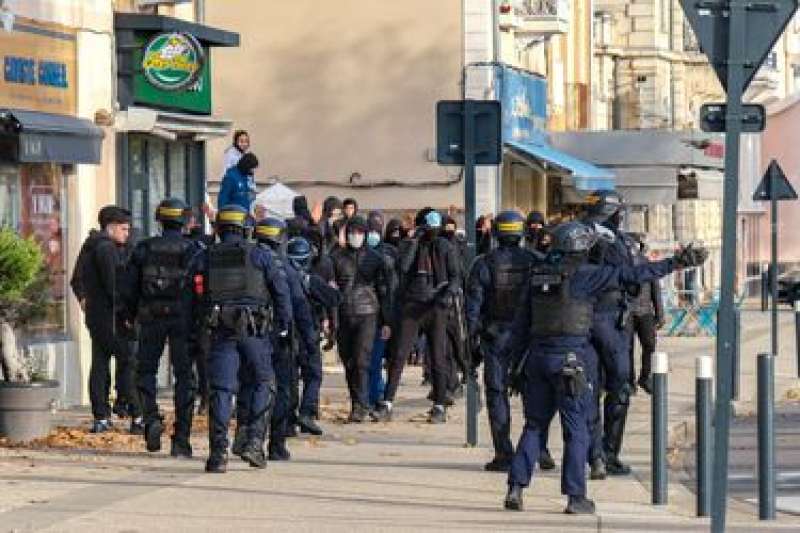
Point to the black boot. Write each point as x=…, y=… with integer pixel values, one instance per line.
x=253, y=455
x=152, y=434
x=308, y=425
x=646, y=383
x=253, y=452
x=217, y=462
x=239, y=439
x=437, y=415
x=382, y=413
x=546, y=461
x=137, y=426
x=498, y=464
x=579, y=505
x=598, y=469
x=514, y=497
x=358, y=414
x=615, y=467
x=278, y=450
x=181, y=449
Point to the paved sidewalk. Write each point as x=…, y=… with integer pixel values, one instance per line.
x=404, y=476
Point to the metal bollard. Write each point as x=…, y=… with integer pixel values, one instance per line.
x=704, y=400
x=797, y=333
x=659, y=429
x=737, y=354
x=764, y=287
x=766, y=437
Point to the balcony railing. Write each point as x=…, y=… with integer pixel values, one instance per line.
x=542, y=17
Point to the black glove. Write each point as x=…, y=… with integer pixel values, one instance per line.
x=689, y=256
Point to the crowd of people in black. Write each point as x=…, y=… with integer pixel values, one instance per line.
x=548, y=309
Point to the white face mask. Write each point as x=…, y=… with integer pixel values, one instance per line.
x=355, y=240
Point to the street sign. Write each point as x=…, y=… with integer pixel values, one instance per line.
x=765, y=21
x=774, y=186
x=713, y=118
x=486, y=141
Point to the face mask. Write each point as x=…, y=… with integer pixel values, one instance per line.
x=355, y=240
x=373, y=239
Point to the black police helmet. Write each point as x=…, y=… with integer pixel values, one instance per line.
x=270, y=230
x=298, y=249
x=604, y=204
x=508, y=224
x=231, y=216
x=573, y=238
x=172, y=211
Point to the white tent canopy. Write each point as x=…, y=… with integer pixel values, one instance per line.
x=277, y=200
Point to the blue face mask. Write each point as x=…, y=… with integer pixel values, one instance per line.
x=373, y=239
x=433, y=220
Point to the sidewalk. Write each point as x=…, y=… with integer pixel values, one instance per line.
x=404, y=476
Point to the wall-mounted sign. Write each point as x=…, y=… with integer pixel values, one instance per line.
x=524, y=98
x=173, y=61
x=174, y=73
x=39, y=68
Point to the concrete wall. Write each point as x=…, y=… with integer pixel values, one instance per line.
x=328, y=89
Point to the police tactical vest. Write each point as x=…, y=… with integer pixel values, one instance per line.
x=555, y=313
x=232, y=276
x=508, y=282
x=165, y=275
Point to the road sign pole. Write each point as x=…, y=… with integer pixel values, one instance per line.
x=766, y=436
x=727, y=325
x=773, y=281
x=472, y=392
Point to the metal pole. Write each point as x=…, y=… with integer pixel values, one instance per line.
x=659, y=429
x=766, y=437
x=773, y=280
x=496, y=38
x=469, y=222
x=737, y=356
x=726, y=331
x=764, y=288
x=797, y=333
x=704, y=451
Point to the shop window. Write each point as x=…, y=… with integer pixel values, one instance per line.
x=32, y=202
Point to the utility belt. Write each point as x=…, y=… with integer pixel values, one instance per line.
x=243, y=321
x=158, y=310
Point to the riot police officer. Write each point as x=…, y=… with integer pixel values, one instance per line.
x=321, y=297
x=495, y=284
x=248, y=297
x=611, y=336
x=361, y=276
x=552, y=353
x=270, y=234
x=159, y=291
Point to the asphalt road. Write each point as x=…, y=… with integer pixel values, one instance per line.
x=743, y=471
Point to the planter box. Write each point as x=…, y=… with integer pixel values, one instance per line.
x=26, y=409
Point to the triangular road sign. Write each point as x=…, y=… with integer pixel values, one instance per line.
x=710, y=20
x=774, y=185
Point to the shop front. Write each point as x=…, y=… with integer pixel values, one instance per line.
x=535, y=174
x=42, y=142
x=164, y=90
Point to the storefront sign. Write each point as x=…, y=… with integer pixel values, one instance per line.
x=174, y=74
x=39, y=68
x=173, y=61
x=524, y=99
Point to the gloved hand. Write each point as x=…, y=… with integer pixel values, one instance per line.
x=689, y=256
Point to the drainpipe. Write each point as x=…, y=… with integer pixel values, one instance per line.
x=200, y=11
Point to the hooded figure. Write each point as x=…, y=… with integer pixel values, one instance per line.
x=238, y=184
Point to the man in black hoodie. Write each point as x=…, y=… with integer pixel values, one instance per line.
x=429, y=280
x=95, y=283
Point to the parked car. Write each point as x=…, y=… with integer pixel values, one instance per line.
x=789, y=287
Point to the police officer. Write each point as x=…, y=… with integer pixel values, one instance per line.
x=534, y=231
x=429, y=281
x=270, y=234
x=495, y=284
x=361, y=276
x=552, y=353
x=611, y=335
x=321, y=297
x=248, y=297
x=160, y=296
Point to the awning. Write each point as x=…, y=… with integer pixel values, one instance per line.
x=159, y=23
x=51, y=138
x=170, y=125
x=583, y=175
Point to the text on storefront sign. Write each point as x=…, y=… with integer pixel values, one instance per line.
x=28, y=71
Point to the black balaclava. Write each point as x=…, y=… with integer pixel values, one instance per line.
x=449, y=221
x=300, y=208
x=394, y=232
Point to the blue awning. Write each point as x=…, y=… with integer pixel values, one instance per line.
x=584, y=175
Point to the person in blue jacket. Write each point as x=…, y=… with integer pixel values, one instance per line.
x=239, y=184
x=551, y=352
x=249, y=308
